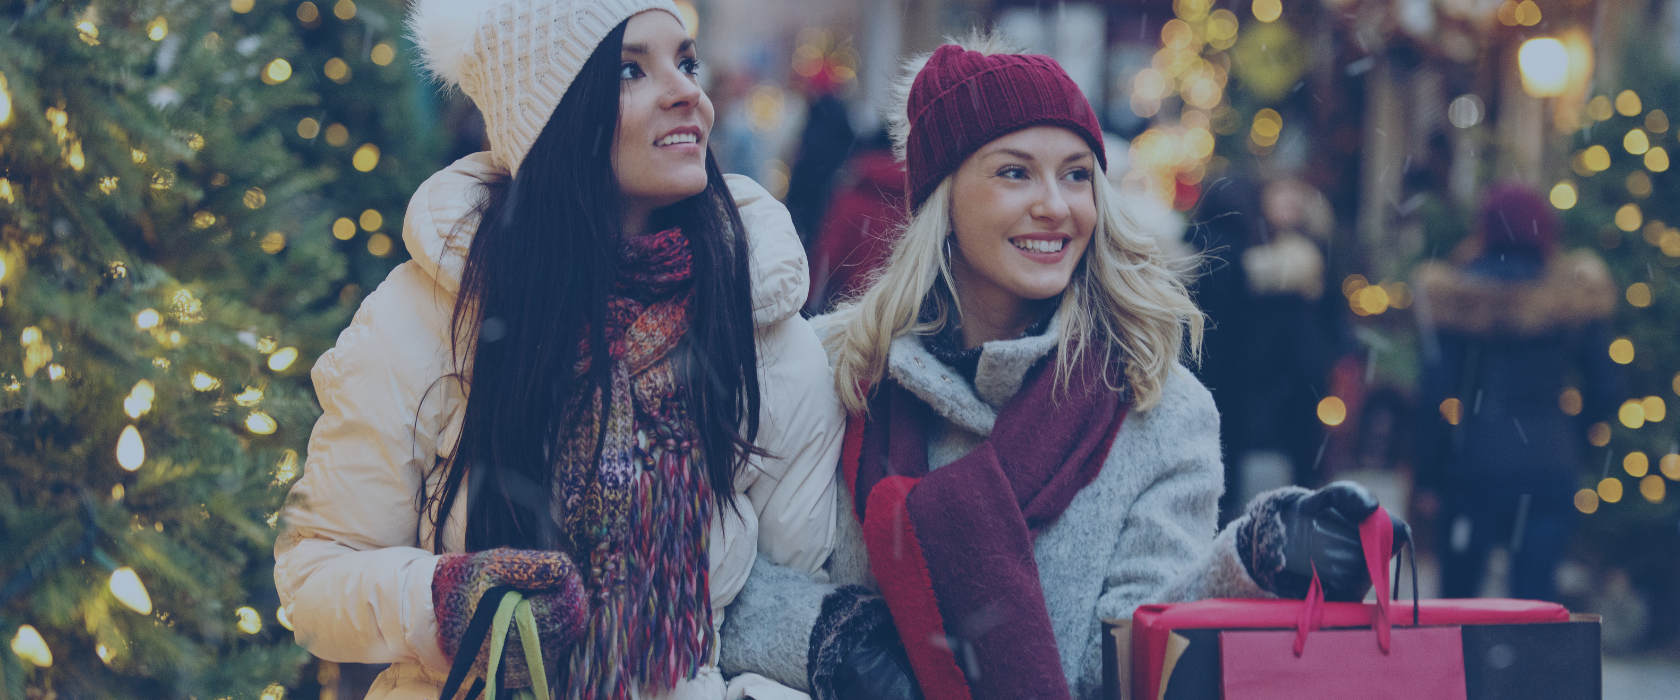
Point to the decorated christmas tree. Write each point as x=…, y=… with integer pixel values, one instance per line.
x=373, y=132
x=1621, y=197
x=169, y=270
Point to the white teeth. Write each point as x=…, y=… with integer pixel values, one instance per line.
x=678, y=138
x=1039, y=246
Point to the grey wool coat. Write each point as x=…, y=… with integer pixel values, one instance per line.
x=1144, y=531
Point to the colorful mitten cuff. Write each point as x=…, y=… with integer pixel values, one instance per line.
x=549, y=580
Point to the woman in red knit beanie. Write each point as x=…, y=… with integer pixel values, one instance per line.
x=1514, y=327
x=1025, y=455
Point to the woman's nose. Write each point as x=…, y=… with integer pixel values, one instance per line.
x=1051, y=206
x=680, y=91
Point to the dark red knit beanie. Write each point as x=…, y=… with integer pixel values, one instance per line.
x=962, y=100
x=1516, y=218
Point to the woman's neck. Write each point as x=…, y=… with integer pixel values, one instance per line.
x=990, y=312
x=635, y=220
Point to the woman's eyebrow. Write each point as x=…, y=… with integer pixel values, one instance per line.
x=1023, y=155
x=642, y=49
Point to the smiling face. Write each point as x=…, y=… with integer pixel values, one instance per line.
x=665, y=119
x=1024, y=209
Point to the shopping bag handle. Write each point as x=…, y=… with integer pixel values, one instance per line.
x=1376, y=538
x=477, y=629
x=499, y=609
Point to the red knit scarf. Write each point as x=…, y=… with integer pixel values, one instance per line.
x=640, y=514
x=952, y=548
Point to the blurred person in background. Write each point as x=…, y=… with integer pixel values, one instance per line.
x=824, y=144
x=1518, y=372
x=1266, y=355
x=1288, y=274
x=591, y=383
x=862, y=222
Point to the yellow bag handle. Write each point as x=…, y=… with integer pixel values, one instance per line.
x=513, y=609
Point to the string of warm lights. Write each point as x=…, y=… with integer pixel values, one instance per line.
x=168, y=325
x=1192, y=68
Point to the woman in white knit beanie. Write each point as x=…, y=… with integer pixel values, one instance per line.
x=590, y=384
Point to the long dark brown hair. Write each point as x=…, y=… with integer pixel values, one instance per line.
x=538, y=275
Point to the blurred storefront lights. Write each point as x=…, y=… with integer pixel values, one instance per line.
x=1545, y=67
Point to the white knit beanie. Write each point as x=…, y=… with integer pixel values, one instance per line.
x=515, y=58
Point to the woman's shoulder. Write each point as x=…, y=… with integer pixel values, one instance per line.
x=780, y=274
x=1186, y=407
x=399, y=334
x=442, y=217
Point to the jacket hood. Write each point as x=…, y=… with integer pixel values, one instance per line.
x=442, y=217
x=1574, y=289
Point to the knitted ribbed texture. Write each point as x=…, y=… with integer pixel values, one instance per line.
x=638, y=509
x=549, y=579
x=962, y=100
x=524, y=55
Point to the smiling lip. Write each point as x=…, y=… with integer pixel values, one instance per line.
x=1042, y=246
x=683, y=138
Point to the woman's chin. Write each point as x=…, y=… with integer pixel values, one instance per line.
x=1040, y=290
x=664, y=194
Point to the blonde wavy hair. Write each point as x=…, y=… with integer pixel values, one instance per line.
x=1124, y=299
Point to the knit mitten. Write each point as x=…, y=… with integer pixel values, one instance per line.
x=1293, y=532
x=548, y=579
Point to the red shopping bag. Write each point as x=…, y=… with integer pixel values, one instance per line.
x=1422, y=662
x=1536, y=642
x=1381, y=663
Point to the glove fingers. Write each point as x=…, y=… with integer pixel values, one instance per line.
x=872, y=670
x=1352, y=500
x=1337, y=552
x=1327, y=533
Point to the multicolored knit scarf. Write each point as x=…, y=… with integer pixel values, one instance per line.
x=640, y=514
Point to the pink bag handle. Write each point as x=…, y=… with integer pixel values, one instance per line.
x=1376, y=538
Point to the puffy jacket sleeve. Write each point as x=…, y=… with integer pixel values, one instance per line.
x=802, y=423
x=1163, y=553
x=349, y=565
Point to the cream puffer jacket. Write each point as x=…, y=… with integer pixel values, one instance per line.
x=353, y=564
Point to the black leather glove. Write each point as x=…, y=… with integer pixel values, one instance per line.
x=877, y=668
x=1292, y=532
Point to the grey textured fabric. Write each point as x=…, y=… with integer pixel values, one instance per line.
x=1153, y=509
x=768, y=628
